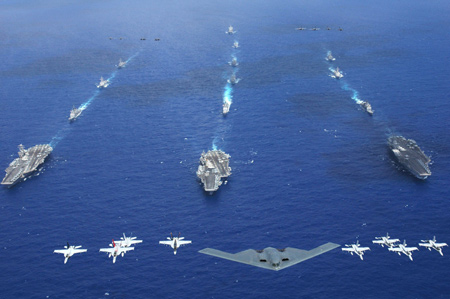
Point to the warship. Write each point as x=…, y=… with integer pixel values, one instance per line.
x=213, y=167
x=337, y=74
x=233, y=80
x=121, y=64
x=330, y=57
x=103, y=83
x=233, y=62
x=226, y=107
x=74, y=113
x=367, y=107
x=28, y=161
x=410, y=156
x=230, y=30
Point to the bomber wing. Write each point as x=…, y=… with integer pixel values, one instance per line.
x=296, y=256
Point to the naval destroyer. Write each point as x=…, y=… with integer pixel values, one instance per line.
x=213, y=167
x=28, y=161
x=367, y=107
x=74, y=113
x=226, y=107
x=410, y=156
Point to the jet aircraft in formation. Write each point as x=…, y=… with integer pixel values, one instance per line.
x=402, y=248
x=432, y=244
x=175, y=242
x=385, y=241
x=271, y=258
x=128, y=241
x=116, y=250
x=355, y=248
x=69, y=251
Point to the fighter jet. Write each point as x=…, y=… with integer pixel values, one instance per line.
x=69, y=251
x=127, y=241
x=432, y=244
x=402, y=248
x=300, y=28
x=235, y=45
x=271, y=258
x=175, y=242
x=103, y=83
x=385, y=241
x=116, y=250
x=355, y=248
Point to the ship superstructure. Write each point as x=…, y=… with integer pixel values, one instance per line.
x=214, y=165
x=28, y=161
x=410, y=156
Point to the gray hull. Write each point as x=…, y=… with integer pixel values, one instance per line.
x=214, y=165
x=410, y=156
x=28, y=161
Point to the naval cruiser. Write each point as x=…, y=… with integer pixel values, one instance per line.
x=233, y=80
x=213, y=166
x=226, y=107
x=28, y=161
x=233, y=62
x=337, y=74
x=367, y=107
x=330, y=57
x=121, y=64
x=74, y=113
x=410, y=156
x=103, y=83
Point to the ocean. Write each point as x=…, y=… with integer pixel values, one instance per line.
x=309, y=166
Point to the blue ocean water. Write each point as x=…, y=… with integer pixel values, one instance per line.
x=309, y=166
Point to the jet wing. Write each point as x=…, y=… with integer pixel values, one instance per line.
x=166, y=242
x=348, y=249
x=363, y=248
x=425, y=244
x=180, y=243
x=252, y=257
x=125, y=249
x=409, y=249
x=109, y=250
x=79, y=250
x=378, y=241
x=396, y=249
x=296, y=256
x=63, y=251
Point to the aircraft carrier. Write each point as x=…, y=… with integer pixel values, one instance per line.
x=410, y=156
x=28, y=161
x=213, y=167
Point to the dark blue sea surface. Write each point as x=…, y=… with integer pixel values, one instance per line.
x=309, y=166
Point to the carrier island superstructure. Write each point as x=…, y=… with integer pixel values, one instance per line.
x=28, y=161
x=214, y=165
